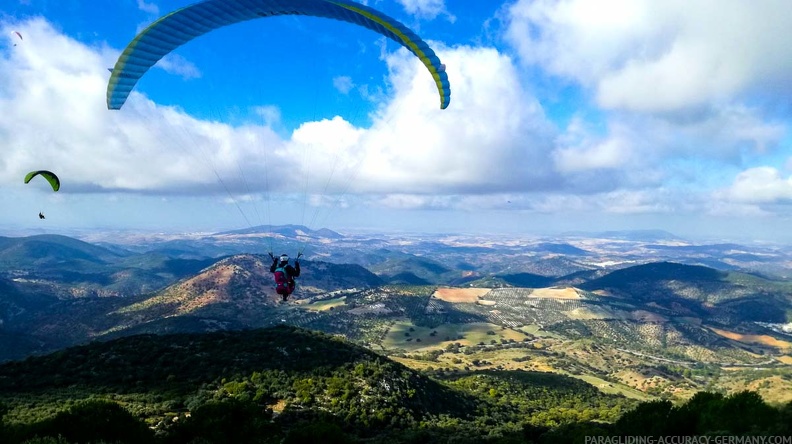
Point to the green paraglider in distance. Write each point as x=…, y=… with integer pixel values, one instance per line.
x=50, y=176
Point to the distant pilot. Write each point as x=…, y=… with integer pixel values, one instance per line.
x=41, y=216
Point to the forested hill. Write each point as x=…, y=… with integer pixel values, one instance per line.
x=282, y=374
x=285, y=384
x=182, y=363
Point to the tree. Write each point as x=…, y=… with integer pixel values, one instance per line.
x=747, y=413
x=647, y=419
x=94, y=421
x=323, y=432
x=697, y=414
x=226, y=422
x=3, y=433
x=784, y=426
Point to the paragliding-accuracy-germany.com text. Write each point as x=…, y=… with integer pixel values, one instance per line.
x=690, y=439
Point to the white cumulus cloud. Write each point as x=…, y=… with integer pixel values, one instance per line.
x=760, y=185
x=343, y=84
x=659, y=56
x=149, y=8
x=428, y=9
x=178, y=65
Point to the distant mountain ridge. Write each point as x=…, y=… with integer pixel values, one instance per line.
x=633, y=235
x=49, y=249
x=66, y=268
x=414, y=271
x=560, y=248
x=290, y=231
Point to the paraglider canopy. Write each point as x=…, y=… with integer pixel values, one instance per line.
x=179, y=27
x=50, y=176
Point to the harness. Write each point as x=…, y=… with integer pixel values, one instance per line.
x=281, y=276
x=282, y=281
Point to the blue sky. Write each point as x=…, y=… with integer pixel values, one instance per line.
x=564, y=115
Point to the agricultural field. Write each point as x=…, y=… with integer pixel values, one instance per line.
x=536, y=330
x=556, y=293
x=614, y=388
x=754, y=339
x=463, y=295
x=403, y=334
x=326, y=304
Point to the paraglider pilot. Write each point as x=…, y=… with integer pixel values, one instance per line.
x=285, y=274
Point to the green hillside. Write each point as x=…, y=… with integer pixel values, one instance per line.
x=414, y=271
x=287, y=376
x=289, y=385
x=724, y=297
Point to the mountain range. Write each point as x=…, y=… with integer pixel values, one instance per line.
x=57, y=292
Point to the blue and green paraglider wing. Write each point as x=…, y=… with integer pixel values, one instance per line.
x=177, y=28
x=50, y=176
